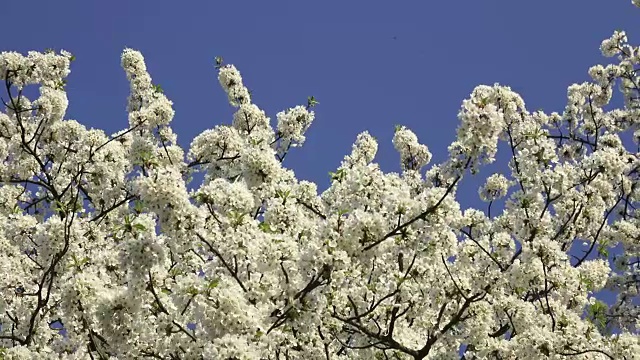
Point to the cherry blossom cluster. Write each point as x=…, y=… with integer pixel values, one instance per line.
x=101, y=236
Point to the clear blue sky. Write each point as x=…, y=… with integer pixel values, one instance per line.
x=370, y=64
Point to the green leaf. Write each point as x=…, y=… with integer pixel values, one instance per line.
x=237, y=217
x=563, y=322
x=311, y=102
x=139, y=227
x=603, y=251
x=146, y=155
x=175, y=272
x=338, y=175
x=596, y=313
x=213, y=283
x=219, y=61
x=138, y=206
x=265, y=227
x=192, y=291
x=61, y=84
x=588, y=283
x=283, y=194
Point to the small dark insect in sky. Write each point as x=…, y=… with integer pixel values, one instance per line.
x=395, y=38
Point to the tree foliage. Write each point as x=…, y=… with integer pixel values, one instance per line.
x=101, y=235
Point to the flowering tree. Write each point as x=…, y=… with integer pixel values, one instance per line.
x=100, y=234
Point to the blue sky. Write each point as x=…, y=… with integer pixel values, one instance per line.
x=370, y=64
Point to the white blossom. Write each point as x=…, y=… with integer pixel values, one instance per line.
x=107, y=242
x=496, y=187
x=413, y=155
